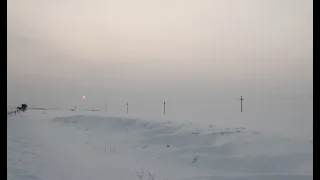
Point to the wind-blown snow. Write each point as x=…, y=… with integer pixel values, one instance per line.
x=55, y=145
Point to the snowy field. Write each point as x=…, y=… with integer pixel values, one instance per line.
x=54, y=145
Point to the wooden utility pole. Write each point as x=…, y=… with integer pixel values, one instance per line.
x=164, y=107
x=127, y=108
x=241, y=99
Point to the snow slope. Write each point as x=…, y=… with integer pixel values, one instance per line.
x=55, y=145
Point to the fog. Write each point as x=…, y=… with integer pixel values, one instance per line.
x=199, y=56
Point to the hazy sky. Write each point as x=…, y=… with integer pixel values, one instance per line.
x=147, y=51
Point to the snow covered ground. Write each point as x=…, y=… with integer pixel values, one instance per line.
x=52, y=145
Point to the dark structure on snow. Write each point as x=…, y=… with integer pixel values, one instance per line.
x=23, y=107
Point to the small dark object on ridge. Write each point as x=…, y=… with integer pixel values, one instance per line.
x=24, y=107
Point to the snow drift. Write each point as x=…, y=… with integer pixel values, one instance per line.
x=66, y=145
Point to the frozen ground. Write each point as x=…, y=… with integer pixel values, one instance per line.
x=53, y=145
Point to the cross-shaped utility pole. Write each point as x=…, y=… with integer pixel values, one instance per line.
x=127, y=108
x=241, y=99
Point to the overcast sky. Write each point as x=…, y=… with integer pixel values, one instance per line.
x=147, y=51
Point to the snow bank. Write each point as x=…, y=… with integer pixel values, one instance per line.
x=95, y=146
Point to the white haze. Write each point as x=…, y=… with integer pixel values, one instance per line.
x=199, y=55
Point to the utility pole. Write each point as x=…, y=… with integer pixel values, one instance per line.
x=164, y=107
x=241, y=99
x=127, y=108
